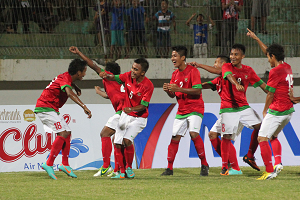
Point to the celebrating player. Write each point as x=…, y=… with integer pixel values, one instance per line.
x=278, y=108
x=115, y=92
x=53, y=97
x=138, y=92
x=234, y=105
x=186, y=86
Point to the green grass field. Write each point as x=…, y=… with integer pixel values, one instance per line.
x=148, y=184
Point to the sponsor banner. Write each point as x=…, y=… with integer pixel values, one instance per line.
x=24, y=144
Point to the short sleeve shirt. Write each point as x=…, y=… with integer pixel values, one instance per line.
x=280, y=81
x=200, y=33
x=117, y=18
x=164, y=20
x=136, y=93
x=136, y=18
x=231, y=97
x=230, y=12
x=54, y=95
x=188, y=78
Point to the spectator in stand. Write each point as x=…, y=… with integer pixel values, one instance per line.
x=67, y=10
x=104, y=7
x=117, y=27
x=231, y=11
x=184, y=4
x=137, y=28
x=164, y=17
x=20, y=9
x=200, y=35
x=5, y=17
x=84, y=5
x=260, y=9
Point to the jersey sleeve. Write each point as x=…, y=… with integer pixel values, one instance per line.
x=63, y=83
x=122, y=77
x=255, y=80
x=214, y=82
x=195, y=79
x=148, y=94
x=226, y=69
x=272, y=82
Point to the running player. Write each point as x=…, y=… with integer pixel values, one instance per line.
x=186, y=86
x=53, y=97
x=138, y=92
x=234, y=105
x=278, y=108
x=115, y=92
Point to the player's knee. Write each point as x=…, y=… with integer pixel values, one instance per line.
x=64, y=134
x=127, y=142
x=227, y=136
x=212, y=135
x=261, y=139
x=107, y=132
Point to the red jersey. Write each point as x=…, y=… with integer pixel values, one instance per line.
x=230, y=12
x=115, y=93
x=136, y=93
x=188, y=78
x=233, y=100
x=54, y=95
x=280, y=81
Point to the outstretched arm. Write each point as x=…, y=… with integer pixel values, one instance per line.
x=260, y=43
x=90, y=63
x=234, y=82
x=75, y=98
x=107, y=76
x=206, y=86
x=77, y=89
x=101, y=93
x=207, y=68
x=190, y=19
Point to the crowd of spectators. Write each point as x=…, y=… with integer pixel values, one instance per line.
x=131, y=23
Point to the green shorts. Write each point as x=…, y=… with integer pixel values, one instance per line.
x=117, y=37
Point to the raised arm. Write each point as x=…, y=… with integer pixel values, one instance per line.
x=260, y=43
x=211, y=21
x=190, y=19
x=75, y=98
x=107, y=76
x=90, y=63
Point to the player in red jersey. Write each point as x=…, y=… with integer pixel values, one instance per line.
x=53, y=97
x=216, y=130
x=278, y=108
x=234, y=106
x=138, y=92
x=186, y=86
x=115, y=92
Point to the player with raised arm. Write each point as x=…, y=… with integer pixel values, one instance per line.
x=115, y=93
x=53, y=97
x=138, y=92
x=186, y=86
x=216, y=130
x=278, y=108
x=234, y=106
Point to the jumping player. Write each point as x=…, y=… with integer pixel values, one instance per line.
x=138, y=92
x=278, y=108
x=53, y=97
x=186, y=86
x=115, y=92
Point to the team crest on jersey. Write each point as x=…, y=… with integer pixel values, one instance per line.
x=246, y=76
x=186, y=79
x=139, y=94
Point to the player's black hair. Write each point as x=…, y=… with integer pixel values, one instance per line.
x=240, y=47
x=181, y=50
x=226, y=59
x=165, y=1
x=76, y=65
x=143, y=62
x=199, y=15
x=276, y=50
x=113, y=68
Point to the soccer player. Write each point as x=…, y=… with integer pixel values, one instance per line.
x=216, y=130
x=115, y=92
x=53, y=97
x=234, y=106
x=138, y=92
x=186, y=86
x=278, y=108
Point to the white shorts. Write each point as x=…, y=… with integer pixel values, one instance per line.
x=113, y=121
x=272, y=125
x=230, y=121
x=129, y=127
x=193, y=123
x=217, y=127
x=200, y=50
x=53, y=121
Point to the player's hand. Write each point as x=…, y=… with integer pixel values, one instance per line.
x=103, y=74
x=87, y=111
x=173, y=88
x=165, y=87
x=240, y=88
x=194, y=64
x=74, y=50
x=127, y=110
x=251, y=34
